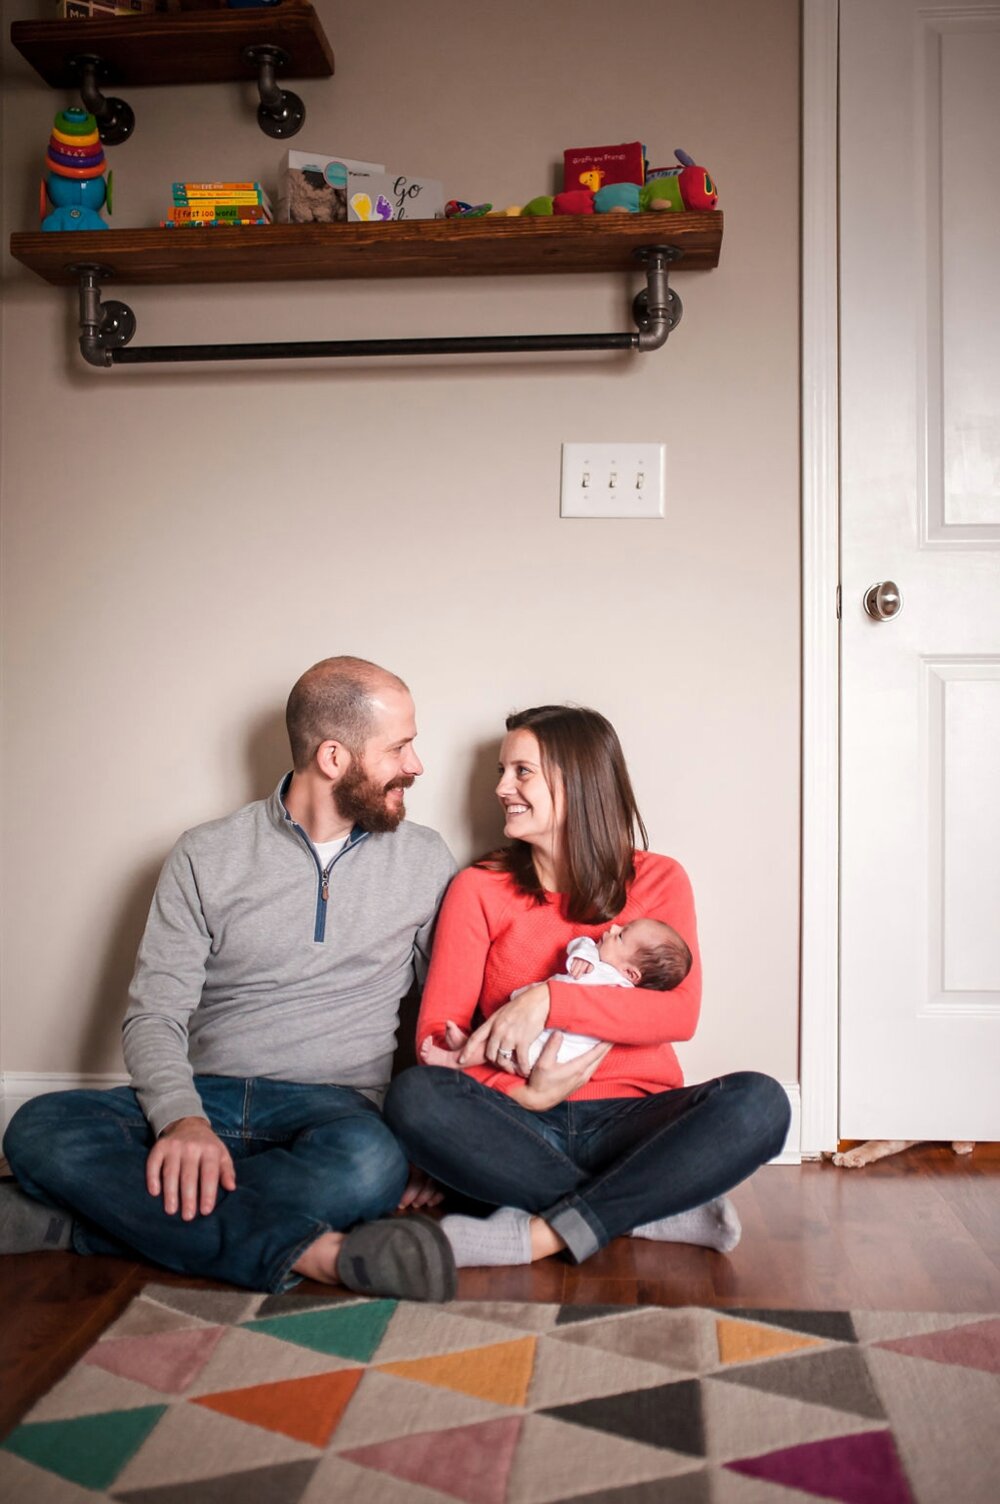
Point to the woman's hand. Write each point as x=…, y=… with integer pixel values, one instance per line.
x=508, y=1034
x=551, y=1083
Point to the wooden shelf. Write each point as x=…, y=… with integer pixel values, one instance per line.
x=497, y=246
x=189, y=47
x=208, y=47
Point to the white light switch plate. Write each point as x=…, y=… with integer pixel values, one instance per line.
x=612, y=480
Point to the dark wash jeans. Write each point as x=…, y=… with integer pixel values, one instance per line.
x=592, y=1169
x=308, y=1159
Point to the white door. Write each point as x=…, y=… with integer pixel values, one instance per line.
x=920, y=507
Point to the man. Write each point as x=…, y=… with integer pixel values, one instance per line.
x=260, y=1032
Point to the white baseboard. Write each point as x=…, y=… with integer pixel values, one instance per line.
x=17, y=1087
x=791, y=1154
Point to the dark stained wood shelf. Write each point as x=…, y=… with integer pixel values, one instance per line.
x=187, y=47
x=497, y=246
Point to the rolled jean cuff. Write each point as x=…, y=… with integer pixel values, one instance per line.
x=578, y=1228
x=284, y=1277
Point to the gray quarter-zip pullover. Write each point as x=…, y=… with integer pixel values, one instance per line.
x=256, y=962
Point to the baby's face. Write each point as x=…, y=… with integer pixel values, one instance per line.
x=618, y=945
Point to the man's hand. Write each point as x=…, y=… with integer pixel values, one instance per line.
x=186, y=1165
x=550, y=1083
x=420, y=1191
x=508, y=1034
x=578, y=967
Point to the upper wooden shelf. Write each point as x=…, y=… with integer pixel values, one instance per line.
x=495, y=246
x=189, y=47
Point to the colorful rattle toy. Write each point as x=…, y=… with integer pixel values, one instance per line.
x=74, y=175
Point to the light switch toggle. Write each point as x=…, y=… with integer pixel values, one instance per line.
x=613, y=480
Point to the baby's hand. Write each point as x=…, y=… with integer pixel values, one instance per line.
x=578, y=967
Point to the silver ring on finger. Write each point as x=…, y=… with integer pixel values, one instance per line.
x=505, y=1054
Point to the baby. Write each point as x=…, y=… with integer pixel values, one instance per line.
x=643, y=953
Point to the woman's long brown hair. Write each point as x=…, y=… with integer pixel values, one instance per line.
x=602, y=818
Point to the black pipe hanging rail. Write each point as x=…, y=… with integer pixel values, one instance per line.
x=106, y=330
x=473, y=344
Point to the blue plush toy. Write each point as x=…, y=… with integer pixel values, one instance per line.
x=617, y=198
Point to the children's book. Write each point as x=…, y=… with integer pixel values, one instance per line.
x=596, y=166
x=217, y=224
x=222, y=195
x=247, y=214
x=218, y=188
x=86, y=10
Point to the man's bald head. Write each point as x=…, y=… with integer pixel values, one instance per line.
x=335, y=700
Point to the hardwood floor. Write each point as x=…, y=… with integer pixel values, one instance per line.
x=920, y=1231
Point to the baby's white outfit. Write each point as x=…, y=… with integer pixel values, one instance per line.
x=603, y=974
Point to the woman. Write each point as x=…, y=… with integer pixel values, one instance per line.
x=578, y=1152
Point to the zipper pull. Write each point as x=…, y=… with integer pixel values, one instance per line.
x=326, y=887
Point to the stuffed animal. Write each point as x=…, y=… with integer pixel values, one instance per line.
x=314, y=199
x=574, y=201
x=540, y=206
x=685, y=187
x=618, y=198
x=74, y=180
x=666, y=189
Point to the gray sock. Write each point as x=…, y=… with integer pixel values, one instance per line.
x=503, y=1238
x=27, y=1225
x=714, y=1225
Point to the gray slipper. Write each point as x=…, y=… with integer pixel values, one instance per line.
x=407, y=1257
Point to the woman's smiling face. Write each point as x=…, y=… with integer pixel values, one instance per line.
x=532, y=811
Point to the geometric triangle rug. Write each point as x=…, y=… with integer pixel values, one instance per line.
x=197, y=1398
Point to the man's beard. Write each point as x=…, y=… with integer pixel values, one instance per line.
x=363, y=801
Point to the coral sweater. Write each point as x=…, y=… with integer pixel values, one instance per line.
x=492, y=938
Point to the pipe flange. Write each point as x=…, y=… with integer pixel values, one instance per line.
x=670, y=314
x=115, y=119
x=287, y=121
x=117, y=326
x=281, y=113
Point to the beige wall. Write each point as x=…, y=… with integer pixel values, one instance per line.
x=181, y=542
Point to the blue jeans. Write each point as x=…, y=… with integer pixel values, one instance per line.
x=593, y=1169
x=308, y=1159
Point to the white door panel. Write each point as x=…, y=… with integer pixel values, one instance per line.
x=920, y=471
